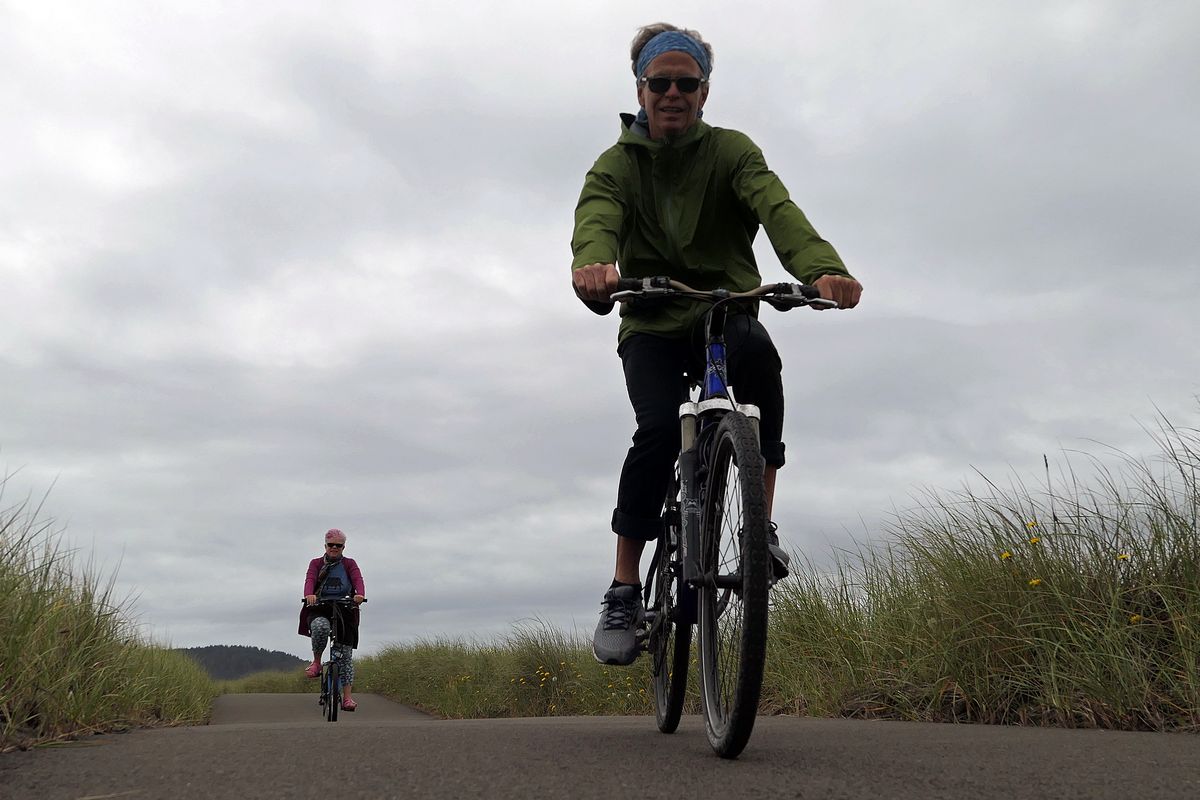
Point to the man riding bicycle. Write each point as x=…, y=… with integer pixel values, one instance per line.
x=678, y=197
x=331, y=576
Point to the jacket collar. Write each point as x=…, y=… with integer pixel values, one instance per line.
x=633, y=133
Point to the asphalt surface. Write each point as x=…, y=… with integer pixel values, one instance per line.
x=277, y=746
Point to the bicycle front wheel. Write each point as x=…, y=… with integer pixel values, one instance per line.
x=671, y=632
x=735, y=568
x=335, y=693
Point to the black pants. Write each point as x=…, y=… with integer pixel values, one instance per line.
x=656, y=371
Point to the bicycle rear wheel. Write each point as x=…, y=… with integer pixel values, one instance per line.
x=671, y=632
x=735, y=567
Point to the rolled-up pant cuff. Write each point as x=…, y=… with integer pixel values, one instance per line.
x=645, y=529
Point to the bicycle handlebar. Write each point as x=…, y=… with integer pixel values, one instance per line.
x=782, y=296
x=341, y=601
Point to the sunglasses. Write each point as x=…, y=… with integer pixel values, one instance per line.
x=663, y=85
x=334, y=544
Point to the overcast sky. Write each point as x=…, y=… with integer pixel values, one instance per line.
x=270, y=268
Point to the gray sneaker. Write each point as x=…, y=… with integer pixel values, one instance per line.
x=615, y=640
x=779, y=559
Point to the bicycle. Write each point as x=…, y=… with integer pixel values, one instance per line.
x=711, y=567
x=330, y=700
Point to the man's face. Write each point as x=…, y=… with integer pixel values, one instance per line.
x=672, y=112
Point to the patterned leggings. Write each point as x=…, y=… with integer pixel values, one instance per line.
x=319, y=629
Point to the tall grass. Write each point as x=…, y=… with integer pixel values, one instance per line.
x=71, y=661
x=271, y=681
x=1073, y=603
x=535, y=671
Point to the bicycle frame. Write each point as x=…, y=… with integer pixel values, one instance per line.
x=696, y=419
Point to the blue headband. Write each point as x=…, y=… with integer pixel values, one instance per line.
x=669, y=41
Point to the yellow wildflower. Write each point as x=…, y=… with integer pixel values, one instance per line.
x=1135, y=619
x=1035, y=581
x=1031, y=524
x=1035, y=540
x=1123, y=557
x=1005, y=555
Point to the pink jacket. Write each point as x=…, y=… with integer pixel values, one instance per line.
x=310, y=586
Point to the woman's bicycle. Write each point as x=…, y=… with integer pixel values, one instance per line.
x=330, y=700
x=712, y=567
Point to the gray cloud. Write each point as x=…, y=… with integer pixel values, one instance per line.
x=310, y=271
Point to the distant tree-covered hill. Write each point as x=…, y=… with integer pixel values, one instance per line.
x=232, y=661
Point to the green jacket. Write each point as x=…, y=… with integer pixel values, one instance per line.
x=690, y=209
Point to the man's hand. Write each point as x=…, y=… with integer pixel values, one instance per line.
x=842, y=290
x=595, y=283
x=358, y=598
x=310, y=599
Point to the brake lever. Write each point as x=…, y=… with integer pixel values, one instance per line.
x=788, y=302
x=639, y=294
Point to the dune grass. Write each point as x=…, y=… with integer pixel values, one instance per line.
x=271, y=681
x=534, y=671
x=1072, y=603
x=71, y=662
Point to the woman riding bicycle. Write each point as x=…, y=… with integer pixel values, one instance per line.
x=678, y=197
x=331, y=576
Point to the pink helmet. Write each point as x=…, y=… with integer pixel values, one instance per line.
x=335, y=535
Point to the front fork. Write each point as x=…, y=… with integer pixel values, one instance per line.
x=692, y=416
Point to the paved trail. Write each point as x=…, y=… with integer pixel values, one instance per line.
x=276, y=746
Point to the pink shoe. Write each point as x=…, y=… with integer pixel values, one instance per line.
x=313, y=670
x=349, y=705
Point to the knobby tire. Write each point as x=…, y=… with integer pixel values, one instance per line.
x=735, y=565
